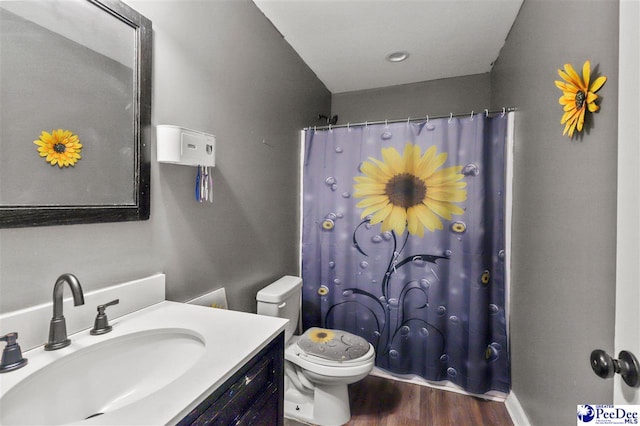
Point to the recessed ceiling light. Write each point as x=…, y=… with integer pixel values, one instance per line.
x=398, y=56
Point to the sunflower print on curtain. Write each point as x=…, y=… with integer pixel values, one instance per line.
x=403, y=243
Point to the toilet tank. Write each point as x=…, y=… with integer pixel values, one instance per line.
x=282, y=299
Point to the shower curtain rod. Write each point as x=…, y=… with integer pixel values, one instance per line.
x=409, y=119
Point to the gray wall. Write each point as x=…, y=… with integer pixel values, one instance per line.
x=436, y=97
x=564, y=224
x=219, y=67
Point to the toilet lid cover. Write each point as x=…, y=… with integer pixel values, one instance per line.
x=336, y=345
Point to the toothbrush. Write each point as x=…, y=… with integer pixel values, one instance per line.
x=198, y=185
x=210, y=188
x=201, y=183
x=205, y=183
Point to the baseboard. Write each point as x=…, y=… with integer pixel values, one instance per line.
x=516, y=411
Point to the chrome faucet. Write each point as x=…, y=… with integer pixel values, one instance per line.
x=58, y=326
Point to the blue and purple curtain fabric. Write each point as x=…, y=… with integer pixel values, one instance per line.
x=403, y=243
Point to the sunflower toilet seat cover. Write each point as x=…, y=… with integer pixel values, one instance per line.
x=335, y=345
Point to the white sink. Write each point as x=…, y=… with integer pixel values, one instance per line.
x=153, y=368
x=101, y=378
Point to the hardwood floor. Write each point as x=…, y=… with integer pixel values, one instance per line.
x=376, y=401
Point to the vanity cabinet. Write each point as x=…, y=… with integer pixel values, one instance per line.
x=252, y=396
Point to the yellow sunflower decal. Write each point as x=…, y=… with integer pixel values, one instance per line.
x=59, y=147
x=410, y=190
x=485, y=277
x=578, y=96
x=321, y=335
x=458, y=227
x=328, y=224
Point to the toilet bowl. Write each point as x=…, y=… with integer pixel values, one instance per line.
x=317, y=369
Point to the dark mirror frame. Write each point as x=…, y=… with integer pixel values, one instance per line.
x=33, y=215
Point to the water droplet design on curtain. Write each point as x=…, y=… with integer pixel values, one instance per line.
x=415, y=262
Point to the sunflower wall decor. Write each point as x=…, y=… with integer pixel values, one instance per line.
x=578, y=96
x=60, y=147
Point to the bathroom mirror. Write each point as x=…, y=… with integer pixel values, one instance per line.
x=75, y=84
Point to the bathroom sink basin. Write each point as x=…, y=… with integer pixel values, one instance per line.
x=156, y=365
x=100, y=378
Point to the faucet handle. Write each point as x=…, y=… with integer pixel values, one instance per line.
x=101, y=308
x=101, y=324
x=11, y=355
x=10, y=338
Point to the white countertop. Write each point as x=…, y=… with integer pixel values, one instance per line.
x=231, y=339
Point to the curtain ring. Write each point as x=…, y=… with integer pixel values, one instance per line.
x=427, y=119
x=386, y=123
x=503, y=112
x=348, y=127
x=330, y=127
x=408, y=120
x=450, y=117
x=315, y=129
x=486, y=113
x=366, y=124
x=471, y=115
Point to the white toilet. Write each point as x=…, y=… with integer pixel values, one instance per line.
x=319, y=364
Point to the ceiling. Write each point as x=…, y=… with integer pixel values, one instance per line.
x=345, y=42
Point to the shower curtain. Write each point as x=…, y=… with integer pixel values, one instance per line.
x=403, y=243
